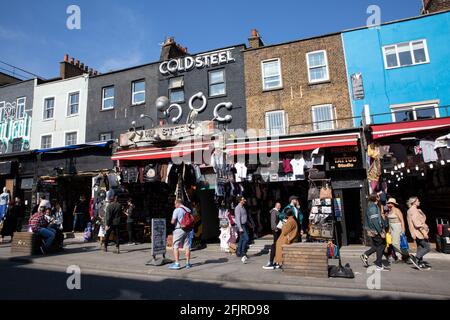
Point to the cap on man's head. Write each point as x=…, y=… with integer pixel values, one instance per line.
x=293, y=198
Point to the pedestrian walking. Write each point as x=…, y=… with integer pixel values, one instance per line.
x=276, y=230
x=180, y=236
x=80, y=212
x=9, y=223
x=419, y=232
x=112, y=220
x=4, y=201
x=131, y=216
x=241, y=219
x=289, y=234
x=374, y=226
x=396, y=227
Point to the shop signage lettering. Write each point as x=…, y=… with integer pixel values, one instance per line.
x=345, y=158
x=11, y=129
x=188, y=63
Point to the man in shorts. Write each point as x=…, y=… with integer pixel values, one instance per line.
x=180, y=237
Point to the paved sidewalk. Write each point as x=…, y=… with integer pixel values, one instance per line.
x=213, y=265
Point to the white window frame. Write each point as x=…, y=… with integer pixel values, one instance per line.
x=54, y=103
x=65, y=137
x=413, y=59
x=414, y=106
x=284, y=126
x=326, y=66
x=104, y=133
x=110, y=98
x=24, y=107
x=211, y=84
x=68, y=114
x=46, y=135
x=134, y=93
x=279, y=73
x=177, y=88
x=332, y=114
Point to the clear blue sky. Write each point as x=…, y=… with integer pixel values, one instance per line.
x=116, y=34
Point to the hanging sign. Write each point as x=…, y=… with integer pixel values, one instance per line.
x=345, y=158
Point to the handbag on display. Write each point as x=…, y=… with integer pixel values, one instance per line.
x=326, y=192
x=315, y=174
x=313, y=192
x=314, y=231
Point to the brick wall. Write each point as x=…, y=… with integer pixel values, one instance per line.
x=297, y=96
x=437, y=5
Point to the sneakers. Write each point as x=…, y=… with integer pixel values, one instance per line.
x=188, y=266
x=365, y=260
x=244, y=259
x=269, y=266
x=414, y=261
x=277, y=266
x=175, y=266
x=130, y=244
x=424, y=266
x=382, y=268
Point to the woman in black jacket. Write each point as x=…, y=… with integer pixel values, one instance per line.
x=10, y=222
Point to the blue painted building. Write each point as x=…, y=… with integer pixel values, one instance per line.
x=404, y=67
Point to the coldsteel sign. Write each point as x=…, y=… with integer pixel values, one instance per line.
x=200, y=61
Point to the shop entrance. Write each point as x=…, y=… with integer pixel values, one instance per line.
x=352, y=204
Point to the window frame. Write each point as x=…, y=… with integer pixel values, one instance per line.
x=51, y=140
x=104, y=133
x=24, y=107
x=413, y=59
x=413, y=107
x=134, y=93
x=44, y=110
x=332, y=120
x=326, y=67
x=65, y=137
x=279, y=73
x=180, y=88
x=266, y=120
x=113, y=98
x=68, y=114
x=211, y=84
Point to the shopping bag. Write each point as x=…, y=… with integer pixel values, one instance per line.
x=404, y=242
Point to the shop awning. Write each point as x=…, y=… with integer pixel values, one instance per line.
x=150, y=153
x=408, y=127
x=99, y=144
x=292, y=143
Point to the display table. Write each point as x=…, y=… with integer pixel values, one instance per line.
x=306, y=259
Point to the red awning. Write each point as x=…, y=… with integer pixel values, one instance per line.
x=398, y=128
x=290, y=144
x=177, y=151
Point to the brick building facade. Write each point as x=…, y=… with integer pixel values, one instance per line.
x=431, y=6
x=312, y=84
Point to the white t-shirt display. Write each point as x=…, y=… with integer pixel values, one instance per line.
x=298, y=166
x=241, y=173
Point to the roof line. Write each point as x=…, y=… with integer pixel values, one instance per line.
x=348, y=30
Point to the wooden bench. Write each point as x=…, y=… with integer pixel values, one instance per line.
x=306, y=259
x=28, y=243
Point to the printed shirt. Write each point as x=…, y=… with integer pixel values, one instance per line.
x=37, y=222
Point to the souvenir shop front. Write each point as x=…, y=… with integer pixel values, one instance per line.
x=413, y=159
x=310, y=166
x=64, y=174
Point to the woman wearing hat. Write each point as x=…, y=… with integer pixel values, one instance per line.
x=396, y=225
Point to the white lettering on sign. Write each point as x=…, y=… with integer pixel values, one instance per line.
x=200, y=61
x=15, y=128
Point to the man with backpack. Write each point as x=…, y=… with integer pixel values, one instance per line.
x=184, y=221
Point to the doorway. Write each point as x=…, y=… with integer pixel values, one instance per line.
x=353, y=214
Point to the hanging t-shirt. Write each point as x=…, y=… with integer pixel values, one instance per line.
x=151, y=173
x=429, y=155
x=298, y=166
x=241, y=171
x=287, y=167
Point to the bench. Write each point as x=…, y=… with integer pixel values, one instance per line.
x=28, y=243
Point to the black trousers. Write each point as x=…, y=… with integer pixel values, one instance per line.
x=378, y=245
x=116, y=233
x=276, y=235
x=130, y=229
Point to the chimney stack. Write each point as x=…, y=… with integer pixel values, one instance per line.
x=255, y=40
x=73, y=68
x=66, y=58
x=172, y=50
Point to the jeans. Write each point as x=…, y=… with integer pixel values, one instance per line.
x=243, y=242
x=423, y=247
x=116, y=233
x=130, y=229
x=378, y=245
x=48, y=235
x=79, y=219
x=276, y=235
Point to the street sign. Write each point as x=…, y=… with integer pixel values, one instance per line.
x=158, y=237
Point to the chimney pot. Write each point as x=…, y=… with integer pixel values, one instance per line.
x=72, y=61
x=77, y=63
x=254, y=33
x=66, y=58
x=82, y=65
